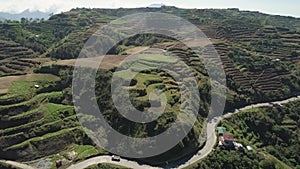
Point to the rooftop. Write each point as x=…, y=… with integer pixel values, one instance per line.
x=221, y=130
x=228, y=137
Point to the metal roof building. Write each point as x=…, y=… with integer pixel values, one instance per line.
x=221, y=130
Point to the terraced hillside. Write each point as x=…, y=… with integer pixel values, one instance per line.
x=10, y=58
x=249, y=75
x=12, y=49
x=36, y=122
x=16, y=67
x=22, y=109
x=154, y=91
x=260, y=55
x=149, y=79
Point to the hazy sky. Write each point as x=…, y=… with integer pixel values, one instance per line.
x=283, y=7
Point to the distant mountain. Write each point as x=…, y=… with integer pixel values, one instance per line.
x=25, y=14
x=156, y=5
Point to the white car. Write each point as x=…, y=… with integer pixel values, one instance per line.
x=115, y=158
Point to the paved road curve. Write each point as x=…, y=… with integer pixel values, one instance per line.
x=107, y=159
x=17, y=164
x=210, y=142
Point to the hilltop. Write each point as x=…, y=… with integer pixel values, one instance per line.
x=156, y=5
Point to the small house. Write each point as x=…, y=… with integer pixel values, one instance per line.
x=221, y=131
x=228, y=141
x=228, y=136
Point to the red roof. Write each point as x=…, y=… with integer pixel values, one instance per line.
x=228, y=137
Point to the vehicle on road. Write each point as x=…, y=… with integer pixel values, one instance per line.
x=115, y=158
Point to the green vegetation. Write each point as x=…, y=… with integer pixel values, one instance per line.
x=257, y=126
x=272, y=132
x=259, y=53
x=51, y=112
x=227, y=159
x=24, y=88
x=20, y=90
x=234, y=159
x=272, y=162
x=36, y=139
x=38, y=120
x=85, y=151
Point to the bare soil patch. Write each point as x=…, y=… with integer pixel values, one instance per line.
x=108, y=62
x=136, y=50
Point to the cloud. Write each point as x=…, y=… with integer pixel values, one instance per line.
x=54, y=5
x=62, y=5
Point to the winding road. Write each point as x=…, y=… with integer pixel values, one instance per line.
x=17, y=164
x=210, y=142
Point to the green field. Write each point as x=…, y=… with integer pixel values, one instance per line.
x=23, y=86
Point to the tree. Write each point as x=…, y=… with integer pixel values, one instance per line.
x=269, y=164
x=294, y=54
x=24, y=20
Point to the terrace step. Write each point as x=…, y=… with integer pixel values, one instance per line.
x=22, y=119
x=16, y=67
x=30, y=129
x=43, y=137
x=6, y=69
x=22, y=63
